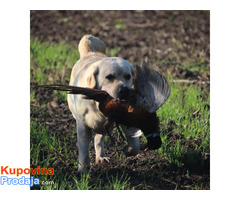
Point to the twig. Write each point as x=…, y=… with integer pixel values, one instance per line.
x=190, y=81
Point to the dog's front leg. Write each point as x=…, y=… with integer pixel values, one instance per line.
x=83, y=139
x=99, y=149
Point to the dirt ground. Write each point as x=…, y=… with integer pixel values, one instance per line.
x=147, y=170
x=170, y=36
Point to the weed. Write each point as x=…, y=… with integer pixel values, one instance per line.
x=119, y=24
x=113, y=52
x=83, y=183
x=118, y=183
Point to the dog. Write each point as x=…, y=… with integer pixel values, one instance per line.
x=113, y=74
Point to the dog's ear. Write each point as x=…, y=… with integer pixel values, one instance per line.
x=91, y=78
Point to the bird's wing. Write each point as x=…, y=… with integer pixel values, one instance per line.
x=151, y=87
x=94, y=94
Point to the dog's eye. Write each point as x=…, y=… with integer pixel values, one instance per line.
x=127, y=77
x=110, y=77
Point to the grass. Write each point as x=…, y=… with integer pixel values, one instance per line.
x=184, y=117
x=197, y=67
x=119, y=24
x=51, y=63
x=49, y=152
x=189, y=113
x=113, y=52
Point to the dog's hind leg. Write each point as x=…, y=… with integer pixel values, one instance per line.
x=84, y=136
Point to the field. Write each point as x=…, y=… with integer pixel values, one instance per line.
x=183, y=161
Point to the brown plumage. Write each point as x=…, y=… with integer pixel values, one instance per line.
x=118, y=111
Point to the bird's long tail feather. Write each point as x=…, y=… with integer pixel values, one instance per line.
x=94, y=94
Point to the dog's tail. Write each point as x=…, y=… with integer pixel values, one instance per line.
x=89, y=44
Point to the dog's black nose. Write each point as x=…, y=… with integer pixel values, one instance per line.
x=128, y=94
x=124, y=92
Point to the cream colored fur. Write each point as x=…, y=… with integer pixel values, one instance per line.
x=91, y=71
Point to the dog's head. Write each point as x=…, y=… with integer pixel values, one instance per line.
x=114, y=75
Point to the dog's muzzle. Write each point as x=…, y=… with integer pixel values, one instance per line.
x=127, y=94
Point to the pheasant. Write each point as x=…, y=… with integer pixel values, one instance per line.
x=150, y=92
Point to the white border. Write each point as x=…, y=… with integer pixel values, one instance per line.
x=14, y=101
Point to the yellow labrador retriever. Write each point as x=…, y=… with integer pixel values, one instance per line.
x=112, y=74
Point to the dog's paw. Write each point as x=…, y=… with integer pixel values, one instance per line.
x=101, y=160
x=130, y=151
x=83, y=168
